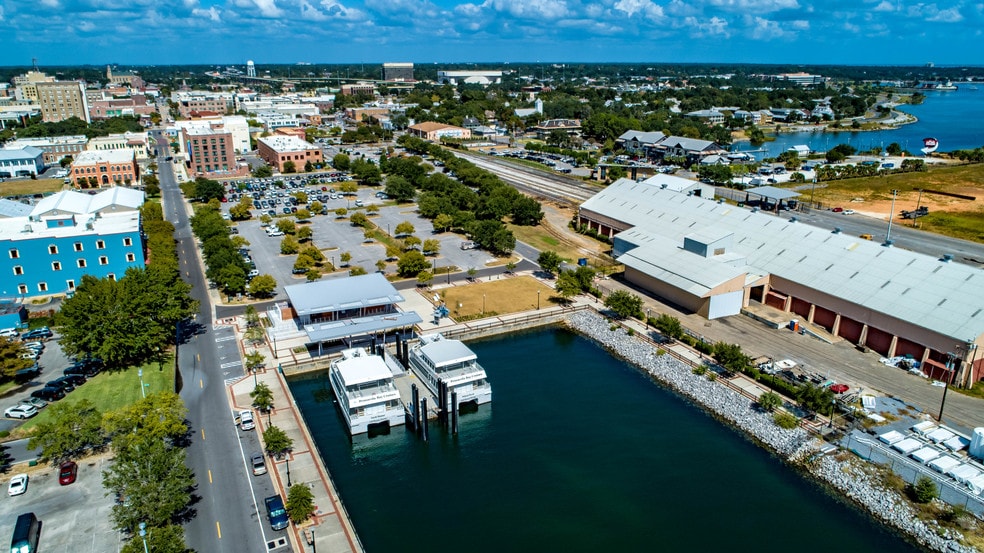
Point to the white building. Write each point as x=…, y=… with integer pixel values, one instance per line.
x=483, y=78
x=137, y=142
x=234, y=124
x=21, y=162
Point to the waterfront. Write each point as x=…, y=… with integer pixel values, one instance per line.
x=950, y=116
x=579, y=453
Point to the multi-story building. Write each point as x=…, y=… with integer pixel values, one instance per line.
x=62, y=100
x=125, y=78
x=396, y=71
x=92, y=169
x=429, y=130
x=138, y=142
x=278, y=150
x=483, y=78
x=210, y=152
x=21, y=162
x=104, y=108
x=357, y=88
x=195, y=100
x=233, y=124
x=26, y=85
x=54, y=147
x=68, y=235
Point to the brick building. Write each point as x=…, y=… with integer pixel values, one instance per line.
x=62, y=100
x=278, y=150
x=211, y=152
x=92, y=169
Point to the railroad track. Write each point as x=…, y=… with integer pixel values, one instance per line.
x=533, y=182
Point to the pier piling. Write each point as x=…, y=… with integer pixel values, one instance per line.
x=423, y=425
x=454, y=413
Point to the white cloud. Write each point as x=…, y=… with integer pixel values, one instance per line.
x=336, y=10
x=1, y=12
x=765, y=29
x=412, y=8
x=762, y=6
x=85, y=26
x=50, y=3
x=700, y=27
x=530, y=9
x=212, y=14
x=468, y=10
x=646, y=8
x=949, y=15
x=885, y=6
x=267, y=8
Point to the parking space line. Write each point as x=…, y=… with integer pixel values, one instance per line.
x=203, y=433
x=218, y=529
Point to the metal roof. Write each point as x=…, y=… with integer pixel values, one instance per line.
x=363, y=369
x=77, y=202
x=920, y=289
x=335, y=330
x=772, y=192
x=21, y=154
x=342, y=293
x=10, y=208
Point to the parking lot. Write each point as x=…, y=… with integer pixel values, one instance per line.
x=73, y=518
x=334, y=236
x=52, y=362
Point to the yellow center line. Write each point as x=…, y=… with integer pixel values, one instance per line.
x=218, y=529
x=209, y=476
x=203, y=433
x=200, y=383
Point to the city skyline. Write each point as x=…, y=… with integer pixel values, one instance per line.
x=877, y=32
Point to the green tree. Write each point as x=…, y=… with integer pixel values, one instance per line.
x=289, y=245
x=341, y=162
x=163, y=539
x=69, y=432
x=411, y=242
x=510, y=267
x=443, y=222
x=231, y=279
x=262, y=286
x=624, y=304
x=344, y=258
x=254, y=360
x=526, y=211
x=770, y=401
x=312, y=275
x=11, y=357
x=208, y=189
x=423, y=277
x=154, y=480
x=372, y=209
x=348, y=187
x=731, y=357
x=359, y=219
x=411, y=263
x=262, y=397
x=431, y=246
x=549, y=261
x=815, y=398
x=277, y=441
x=290, y=167
x=380, y=265
x=152, y=186
x=404, y=228
x=301, y=197
x=302, y=214
x=924, y=490
x=308, y=167
x=357, y=270
x=316, y=207
x=254, y=335
x=159, y=416
x=300, y=503
x=263, y=172
x=341, y=212
x=669, y=325
x=399, y=188
x=304, y=234
x=567, y=285
x=286, y=226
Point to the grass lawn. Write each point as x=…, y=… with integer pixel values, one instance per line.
x=968, y=225
x=508, y=295
x=541, y=239
x=28, y=187
x=111, y=390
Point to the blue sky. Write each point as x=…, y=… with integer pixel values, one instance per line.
x=880, y=32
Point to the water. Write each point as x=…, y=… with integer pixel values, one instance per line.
x=950, y=116
x=579, y=452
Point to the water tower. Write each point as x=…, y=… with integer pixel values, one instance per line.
x=250, y=69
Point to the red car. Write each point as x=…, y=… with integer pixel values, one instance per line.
x=837, y=209
x=67, y=473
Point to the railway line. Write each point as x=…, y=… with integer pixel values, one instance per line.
x=533, y=182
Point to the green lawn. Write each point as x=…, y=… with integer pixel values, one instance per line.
x=111, y=390
x=30, y=186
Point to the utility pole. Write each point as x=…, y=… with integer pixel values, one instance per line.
x=888, y=237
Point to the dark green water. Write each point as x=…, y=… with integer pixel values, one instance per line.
x=578, y=452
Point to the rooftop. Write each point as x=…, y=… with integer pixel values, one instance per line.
x=339, y=294
x=77, y=202
x=444, y=352
x=22, y=228
x=285, y=143
x=362, y=369
x=27, y=152
x=92, y=157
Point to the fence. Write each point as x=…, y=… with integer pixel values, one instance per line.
x=951, y=491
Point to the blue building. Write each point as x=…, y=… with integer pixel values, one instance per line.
x=21, y=162
x=68, y=235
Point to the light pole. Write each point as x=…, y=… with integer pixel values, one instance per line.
x=891, y=216
x=288, y=471
x=946, y=384
x=833, y=403
x=537, y=300
x=143, y=394
x=647, y=319
x=483, y=304
x=143, y=535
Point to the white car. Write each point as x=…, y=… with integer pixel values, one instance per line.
x=246, y=420
x=275, y=233
x=18, y=485
x=848, y=212
x=23, y=411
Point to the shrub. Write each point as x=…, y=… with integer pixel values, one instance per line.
x=785, y=420
x=300, y=503
x=770, y=401
x=700, y=369
x=924, y=490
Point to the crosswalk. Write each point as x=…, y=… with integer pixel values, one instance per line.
x=230, y=364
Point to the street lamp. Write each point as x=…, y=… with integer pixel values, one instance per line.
x=537, y=300
x=483, y=304
x=143, y=393
x=143, y=535
x=288, y=472
x=833, y=403
x=647, y=319
x=891, y=216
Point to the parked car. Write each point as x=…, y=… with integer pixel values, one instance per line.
x=74, y=379
x=18, y=485
x=30, y=373
x=258, y=463
x=37, y=334
x=48, y=393
x=837, y=209
x=64, y=385
x=38, y=403
x=22, y=411
x=276, y=512
x=246, y=420
x=67, y=473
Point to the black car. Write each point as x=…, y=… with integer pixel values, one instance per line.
x=37, y=334
x=65, y=385
x=74, y=379
x=48, y=393
x=86, y=367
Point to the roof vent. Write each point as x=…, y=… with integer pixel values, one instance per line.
x=662, y=186
x=888, y=243
x=792, y=219
x=947, y=257
x=837, y=230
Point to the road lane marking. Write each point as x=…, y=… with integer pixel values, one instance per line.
x=203, y=433
x=225, y=338
x=198, y=357
x=200, y=383
x=209, y=476
x=230, y=365
x=218, y=529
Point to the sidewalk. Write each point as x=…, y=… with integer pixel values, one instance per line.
x=333, y=531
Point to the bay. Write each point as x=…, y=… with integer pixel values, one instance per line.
x=952, y=117
x=578, y=452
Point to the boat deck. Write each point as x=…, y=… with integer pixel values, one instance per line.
x=403, y=383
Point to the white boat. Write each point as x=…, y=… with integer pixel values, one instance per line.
x=366, y=394
x=437, y=358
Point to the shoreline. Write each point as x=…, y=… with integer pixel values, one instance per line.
x=853, y=479
x=909, y=119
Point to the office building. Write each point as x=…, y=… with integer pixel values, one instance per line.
x=62, y=100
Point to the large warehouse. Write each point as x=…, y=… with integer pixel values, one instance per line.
x=714, y=259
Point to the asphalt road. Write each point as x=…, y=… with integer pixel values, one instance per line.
x=229, y=513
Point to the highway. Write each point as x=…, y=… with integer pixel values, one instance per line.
x=229, y=513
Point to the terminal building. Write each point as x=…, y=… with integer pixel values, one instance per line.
x=715, y=259
x=47, y=250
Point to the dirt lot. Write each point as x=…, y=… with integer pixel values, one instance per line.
x=499, y=297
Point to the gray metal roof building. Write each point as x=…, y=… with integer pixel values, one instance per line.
x=692, y=250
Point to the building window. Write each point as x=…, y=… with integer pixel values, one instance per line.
x=21, y=288
x=128, y=241
x=103, y=260
x=81, y=263
x=53, y=250
x=14, y=254
x=42, y=287
x=100, y=245
x=130, y=257
x=56, y=266
x=78, y=246
x=18, y=270
x=70, y=284
x=111, y=276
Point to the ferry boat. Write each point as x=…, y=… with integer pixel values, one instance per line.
x=367, y=396
x=438, y=358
